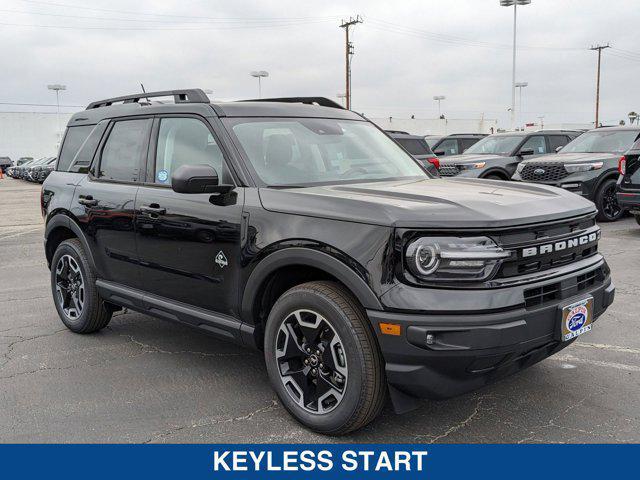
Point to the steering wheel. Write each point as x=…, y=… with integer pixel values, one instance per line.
x=353, y=170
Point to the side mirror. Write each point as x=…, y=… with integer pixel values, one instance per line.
x=197, y=179
x=439, y=153
x=526, y=151
x=558, y=148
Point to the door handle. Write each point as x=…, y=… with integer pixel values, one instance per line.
x=87, y=201
x=153, y=209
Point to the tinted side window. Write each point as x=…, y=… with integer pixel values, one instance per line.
x=467, y=142
x=73, y=140
x=449, y=146
x=536, y=143
x=414, y=146
x=186, y=141
x=556, y=141
x=124, y=149
x=82, y=160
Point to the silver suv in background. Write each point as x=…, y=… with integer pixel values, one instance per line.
x=497, y=156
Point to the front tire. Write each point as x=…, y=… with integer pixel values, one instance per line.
x=73, y=284
x=323, y=359
x=609, y=210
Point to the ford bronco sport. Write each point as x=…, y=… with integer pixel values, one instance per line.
x=301, y=229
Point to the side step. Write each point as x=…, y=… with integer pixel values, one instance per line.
x=222, y=326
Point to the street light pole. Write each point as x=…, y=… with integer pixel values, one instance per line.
x=439, y=98
x=514, y=3
x=259, y=74
x=520, y=86
x=57, y=87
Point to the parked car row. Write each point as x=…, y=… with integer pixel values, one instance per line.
x=586, y=163
x=33, y=170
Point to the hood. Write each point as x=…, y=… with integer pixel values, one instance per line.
x=575, y=158
x=439, y=203
x=468, y=158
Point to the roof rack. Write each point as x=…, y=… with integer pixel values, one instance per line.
x=194, y=95
x=322, y=101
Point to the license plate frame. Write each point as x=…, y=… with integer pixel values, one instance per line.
x=576, y=318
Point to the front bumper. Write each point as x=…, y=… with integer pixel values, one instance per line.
x=471, y=349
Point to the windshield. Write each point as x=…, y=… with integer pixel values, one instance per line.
x=602, y=141
x=302, y=151
x=495, y=145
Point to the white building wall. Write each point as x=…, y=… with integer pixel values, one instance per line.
x=437, y=126
x=30, y=134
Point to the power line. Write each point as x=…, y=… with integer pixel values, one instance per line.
x=132, y=12
x=176, y=28
x=205, y=20
x=390, y=27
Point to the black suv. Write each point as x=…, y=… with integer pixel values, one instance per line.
x=628, y=185
x=418, y=148
x=497, y=156
x=301, y=229
x=453, y=144
x=587, y=166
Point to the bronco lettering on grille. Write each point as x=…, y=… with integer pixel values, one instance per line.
x=561, y=245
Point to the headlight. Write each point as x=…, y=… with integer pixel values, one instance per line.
x=582, y=167
x=451, y=259
x=471, y=166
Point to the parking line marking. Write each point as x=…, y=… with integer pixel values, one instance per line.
x=605, y=346
x=597, y=363
x=11, y=235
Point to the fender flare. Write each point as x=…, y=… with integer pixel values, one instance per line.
x=611, y=174
x=64, y=221
x=311, y=258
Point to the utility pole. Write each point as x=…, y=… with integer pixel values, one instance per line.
x=599, y=48
x=348, y=53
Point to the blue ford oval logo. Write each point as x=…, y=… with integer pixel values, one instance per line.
x=539, y=171
x=577, y=318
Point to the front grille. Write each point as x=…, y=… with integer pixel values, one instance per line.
x=541, y=295
x=448, y=170
x=535, y=297
x=543, y=172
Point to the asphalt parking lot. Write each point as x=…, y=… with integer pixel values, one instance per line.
x=146, y=380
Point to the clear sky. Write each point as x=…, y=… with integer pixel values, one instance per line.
x=405, y=53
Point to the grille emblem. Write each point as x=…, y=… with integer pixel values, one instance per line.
x=539, y=171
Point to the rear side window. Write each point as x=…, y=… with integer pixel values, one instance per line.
x=82, y=160
x=535, y=143
x=124, y=149
x=449, y=147
x=415, y=146
x=73, y=140
x=467, y=142
x=556, y=141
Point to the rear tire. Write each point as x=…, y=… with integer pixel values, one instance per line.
x=320, y=327
x=609, y=209
x=73, y=284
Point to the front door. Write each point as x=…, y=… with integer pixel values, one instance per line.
x=188, y=244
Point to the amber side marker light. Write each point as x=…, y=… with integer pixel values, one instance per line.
x=389, y=329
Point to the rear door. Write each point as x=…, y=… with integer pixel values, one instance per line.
x=104, y=200
x=189, y=244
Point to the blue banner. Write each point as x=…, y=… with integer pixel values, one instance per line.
x=374, y=461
